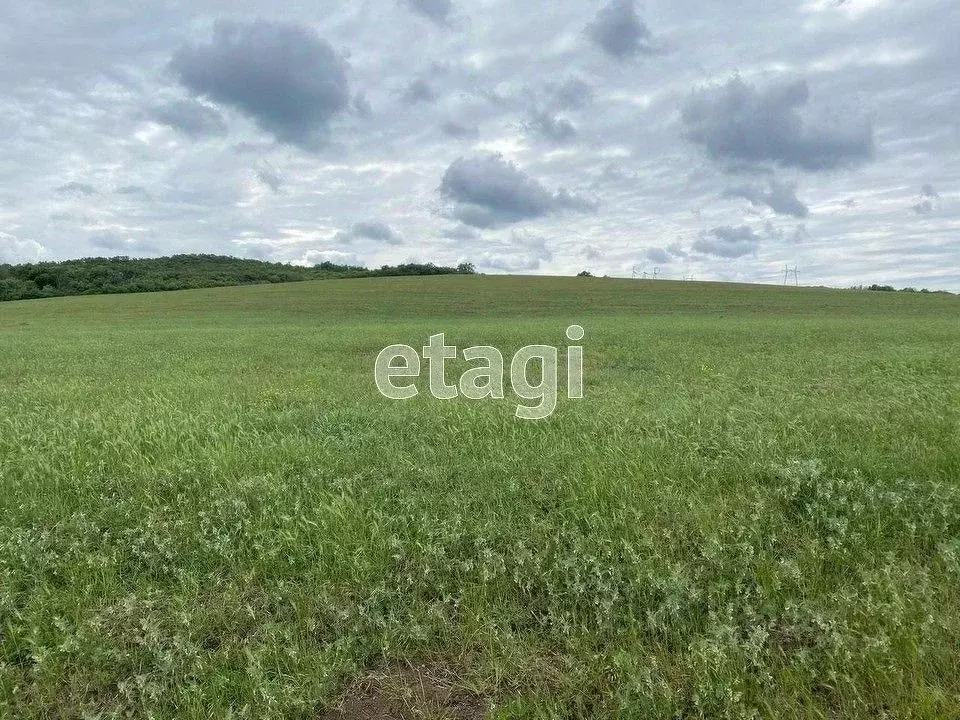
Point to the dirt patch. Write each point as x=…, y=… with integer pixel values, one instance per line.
x=409, y=692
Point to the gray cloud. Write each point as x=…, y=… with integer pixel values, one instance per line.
x=555, y=129
x=589, y=252
x=289, y=80
x=666, y=255
x=488, y=191
x=929, y=200
x=738, y=124
x=459, y=130
x=371, y=230
x=523, y=253
x=118, y=244
x=461, y=232
x=77, y=189
x=614, y=172
x=780, y=197
x=566, y=200
x=131, y=190
x=361, y=106
x=572, y=94
x=728, y=242
x=436, y=10
x=619, y=30
x=794, y=235
x=658, y=255
x=419, y=91
x=269, y=176
x=676, y=249
x=190, y=117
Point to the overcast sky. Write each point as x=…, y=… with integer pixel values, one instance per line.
x=720, y=141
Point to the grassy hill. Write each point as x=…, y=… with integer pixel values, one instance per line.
x=208, y=510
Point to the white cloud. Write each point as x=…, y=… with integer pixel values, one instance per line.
x=13, y=250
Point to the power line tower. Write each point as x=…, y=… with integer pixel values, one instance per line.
x=790, y=272
x=636, y=271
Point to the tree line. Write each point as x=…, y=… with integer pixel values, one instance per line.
x=100, y=276
x=891, y=288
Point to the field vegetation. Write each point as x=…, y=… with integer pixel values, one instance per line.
x=208, y=511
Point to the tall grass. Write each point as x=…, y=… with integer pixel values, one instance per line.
x=206, y=509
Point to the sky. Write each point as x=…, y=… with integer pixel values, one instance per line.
x=686, y=140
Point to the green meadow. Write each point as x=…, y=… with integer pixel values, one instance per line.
x=207, y=510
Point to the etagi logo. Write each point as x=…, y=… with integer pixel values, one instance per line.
x=486, y=380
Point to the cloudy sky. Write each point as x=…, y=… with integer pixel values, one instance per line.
x=708, y=140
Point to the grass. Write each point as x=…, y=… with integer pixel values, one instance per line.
x=208, y=511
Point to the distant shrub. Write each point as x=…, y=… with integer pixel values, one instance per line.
x=890, y=288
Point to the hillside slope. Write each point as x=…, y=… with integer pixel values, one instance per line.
x=207, y=509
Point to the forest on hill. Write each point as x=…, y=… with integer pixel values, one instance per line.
x=99, y=276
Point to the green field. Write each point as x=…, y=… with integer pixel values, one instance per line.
x=208, y=511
